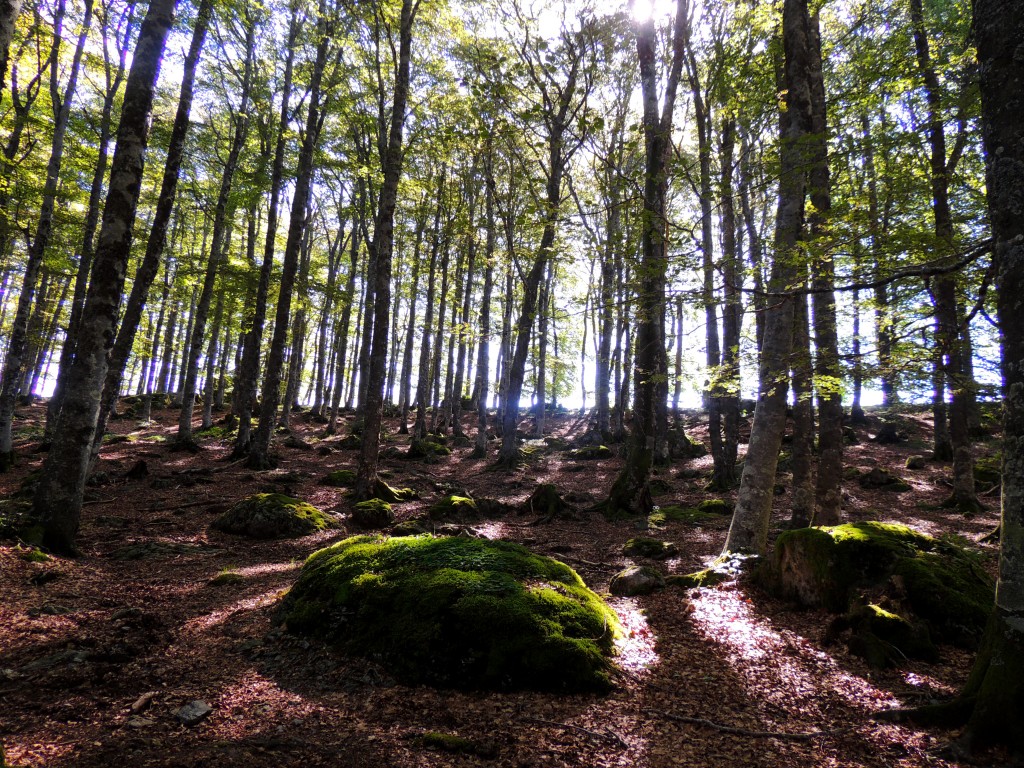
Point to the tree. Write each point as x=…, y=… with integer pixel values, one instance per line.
x=58, y=501
x=749, y=529
x=630, y=493
x=367, y=483
x=995, y=689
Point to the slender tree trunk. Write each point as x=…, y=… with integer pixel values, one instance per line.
x=58, y=501
x=423, y=377
x=802, y=446
x=749, y=529
x=630, y=493
x=221, y=228
x=150, y=264
x=828, y=498
x=410, y=331
x=367, y=484
x=483, y=362
x=259, y=456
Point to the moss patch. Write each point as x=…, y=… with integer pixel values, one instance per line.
x=427, y=449
x=591, y=452
x=339, y=478
x=676, y=513
x=15, y=517
x=372, y=514
x=642, y=546
x=448, y=742
x=935, y=580
x=272, y=516
x=715, y=507
x=453, y=507
x=457, y=612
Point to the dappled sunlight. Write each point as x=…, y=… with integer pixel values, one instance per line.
x=636, y=650
x=209, y=620
x=779, y=666
x=492, y=530
x=265, y=568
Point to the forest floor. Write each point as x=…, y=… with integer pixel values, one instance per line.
x=98, y=653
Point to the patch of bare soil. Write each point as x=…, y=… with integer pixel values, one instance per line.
x=99, y=655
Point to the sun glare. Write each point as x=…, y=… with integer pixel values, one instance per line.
x=642, y=10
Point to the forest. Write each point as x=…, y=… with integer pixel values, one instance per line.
x=512, y=382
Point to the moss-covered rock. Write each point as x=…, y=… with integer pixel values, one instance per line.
x=453, y=507
x=637, y=580
x=937, y=581
x=448, y=742
x=715, y=507
x=272, y=516
x=459, y=612
x=339, y=478
x=677, y=513
x=885, y=638
x=728, y=567
x=412, y=527
x=591, y=452
x=882, y=480
x=427, y=449
x=916, y=462
x=988, y=471
x=373, y=514
x=642, y=546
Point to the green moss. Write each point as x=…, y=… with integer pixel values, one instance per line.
x=938, y=581
x=272, y=516
x=15, y=517
x=34, y=555
x=426, y=449
x=339, y=478
x=709, y=577
x=226, y=578
x=456, y=611
x=373, y=513
x=453, y=507
x=988, y=470
x=591, y=452
x=676, y=513
x=715, y=507
x=641, y=546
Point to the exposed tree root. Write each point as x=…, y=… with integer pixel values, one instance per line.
x=745, y=731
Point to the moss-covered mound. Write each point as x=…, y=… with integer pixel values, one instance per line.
x=642, y=546
x=272, y=516
x=339, y=478
x=590, y=452
x=453, y=507
x=459, y=612
x=882, y=637
x=934, y=580
x=427, y=449
x=373, y=514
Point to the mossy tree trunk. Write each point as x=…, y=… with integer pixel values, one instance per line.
x=802, y=446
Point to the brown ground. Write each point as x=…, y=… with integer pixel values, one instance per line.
x=76, y=652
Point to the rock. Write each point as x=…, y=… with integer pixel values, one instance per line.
x=916, y=462
x=883, y=637
x=339, y=478
x=427, y=449
x=350, y=442
x=412, y=527
x=456, y=611
x=932, y=580
x=193, y=713
x=140, y=722
x=591, y=452
x=454, y=507
x=637, y=580
x=882, y=480
x=272, y=516
x=373, y=514
x=641, y=546
x=715, y=507
x=889, y=434
x=138, y=471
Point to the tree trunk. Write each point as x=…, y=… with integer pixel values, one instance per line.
x=58, y=501
x=749, y=529
x=259, y=456
x=630, y=493
x=996, y=684
x=367, y=484
x=802, y=446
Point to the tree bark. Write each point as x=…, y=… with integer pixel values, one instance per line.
x=58, y=501
x=749, y=529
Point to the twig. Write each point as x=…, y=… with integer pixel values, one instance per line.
x=98, y=501
x=605, y=566
x=744, y=731
x=186, y=505
x=607, y=735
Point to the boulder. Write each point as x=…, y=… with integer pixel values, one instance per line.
x=882, y=480
x=454, y=507
x=931, y=580
x=456, y=611
x=637, y=580
x=642, y=546
x=916, y=462
x=272, y=516
x=373, y=514
x=339, y=478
